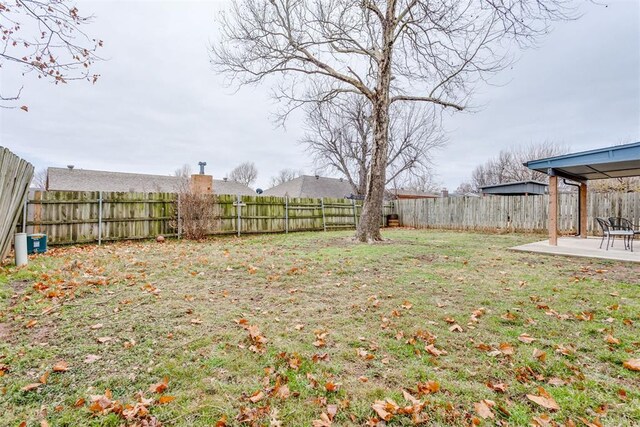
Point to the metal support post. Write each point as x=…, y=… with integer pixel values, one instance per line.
x=100, y=218
x=324, y=221
x=179, y=217
x=286, y=214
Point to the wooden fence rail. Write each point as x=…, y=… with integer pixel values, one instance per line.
x=517, y=213
x=84, y=217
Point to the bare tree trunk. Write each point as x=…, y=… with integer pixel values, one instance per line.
x=369, y=225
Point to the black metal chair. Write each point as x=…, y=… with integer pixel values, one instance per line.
x=611, y=232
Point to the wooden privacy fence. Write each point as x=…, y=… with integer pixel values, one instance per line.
x=15, y=177
x=84, y=217
x=517, y=213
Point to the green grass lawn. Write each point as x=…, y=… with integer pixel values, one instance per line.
x=439, y=328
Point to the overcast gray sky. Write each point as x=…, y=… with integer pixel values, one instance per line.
x=159, y=105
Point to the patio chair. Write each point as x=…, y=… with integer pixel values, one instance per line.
x=610, y=233
x=620, y=223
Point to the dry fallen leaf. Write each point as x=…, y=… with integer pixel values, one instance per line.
x=526, y=338
x=539, y=354
x=455, y=328
x=544, y=399
x=91, y=358
x=380, y=408
x=166, y=399
x=160, y=387
x=256, y=397
x=506, y=349
x=483, y=409
x=32, y=386
x=96, y=326
x=324, y=421
x=61, y=366
x=611, y=339
x=632, y=364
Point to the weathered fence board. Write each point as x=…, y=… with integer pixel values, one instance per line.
x=517, y=213
x=15, y=176
x=77, y=217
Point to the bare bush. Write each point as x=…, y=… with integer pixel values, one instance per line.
x=197, y=215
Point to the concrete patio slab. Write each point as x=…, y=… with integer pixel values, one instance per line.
x=586, y=248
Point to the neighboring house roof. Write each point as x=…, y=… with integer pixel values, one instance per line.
x=231, y=187
x=65, y=179
x=402, y=193
x=312, y=186
x=516, y=188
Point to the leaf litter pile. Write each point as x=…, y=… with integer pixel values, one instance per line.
x=427, y=328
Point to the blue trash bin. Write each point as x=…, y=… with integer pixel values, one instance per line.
x=36, y=243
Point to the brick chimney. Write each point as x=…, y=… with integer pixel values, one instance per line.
x=201, y=183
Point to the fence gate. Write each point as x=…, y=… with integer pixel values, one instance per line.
x=15, y=177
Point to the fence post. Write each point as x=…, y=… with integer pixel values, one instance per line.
x=238, y=210
x=179, y=217
x=324, y=221
x=286, y=214
x=355, y=214
x=99, y=218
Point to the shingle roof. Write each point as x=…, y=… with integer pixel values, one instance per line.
x=65, y=179
x=312, y=186
x=411, y=193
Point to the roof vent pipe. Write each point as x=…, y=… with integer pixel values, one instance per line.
x=202, y=165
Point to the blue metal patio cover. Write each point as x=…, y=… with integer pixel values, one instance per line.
x=612, y=162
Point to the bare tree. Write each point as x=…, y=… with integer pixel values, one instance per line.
x=388, y=51
x=339, y=134
x=183, y=174
x=508, y=165
x=45, y=37
x=39, y=180
x=425, y=182
x=245, y=173
x=285, y=175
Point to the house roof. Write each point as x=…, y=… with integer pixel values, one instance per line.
x=65, y=179
x=402, y=192
x=312, y=186
x=610, y=162
x=516, y=188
